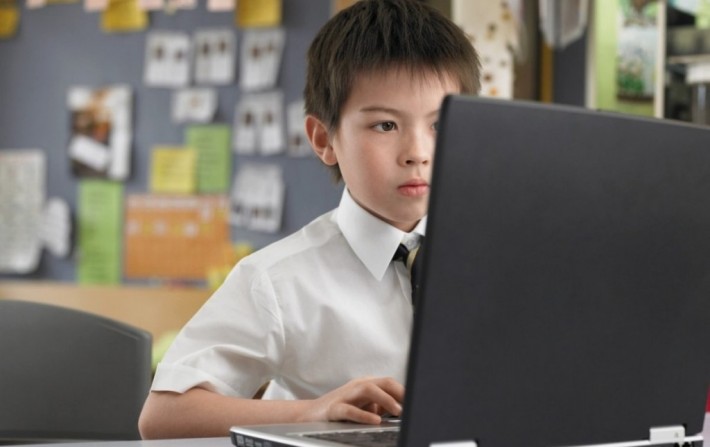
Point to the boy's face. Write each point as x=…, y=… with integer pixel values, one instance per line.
x=384, y=143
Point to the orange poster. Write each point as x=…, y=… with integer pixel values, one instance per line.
x=175, y=237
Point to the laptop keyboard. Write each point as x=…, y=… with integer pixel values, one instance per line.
x=361, y=438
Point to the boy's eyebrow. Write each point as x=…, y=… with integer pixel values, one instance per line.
x=392, y=111
x=380, y=109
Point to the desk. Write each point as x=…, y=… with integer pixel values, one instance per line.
x=207, y=442
x=197, y=442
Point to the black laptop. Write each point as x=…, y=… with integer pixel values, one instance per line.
x=565, y=298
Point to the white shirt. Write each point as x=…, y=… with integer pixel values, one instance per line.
x=309, y=313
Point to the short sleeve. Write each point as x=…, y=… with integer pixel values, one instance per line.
x=233, y=344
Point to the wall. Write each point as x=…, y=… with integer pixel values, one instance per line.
x=61, y=46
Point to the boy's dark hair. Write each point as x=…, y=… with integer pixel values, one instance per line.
x=376, y=35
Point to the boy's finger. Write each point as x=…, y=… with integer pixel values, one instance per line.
x=393, y=388
x=347, y=412
x=380, y=396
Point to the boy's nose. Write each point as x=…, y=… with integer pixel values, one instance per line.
x=418, y=149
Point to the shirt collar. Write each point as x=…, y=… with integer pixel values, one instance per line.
x=373, y=240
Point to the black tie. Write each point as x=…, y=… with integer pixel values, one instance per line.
x=412, y=260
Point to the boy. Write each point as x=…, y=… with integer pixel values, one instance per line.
x=324, y=315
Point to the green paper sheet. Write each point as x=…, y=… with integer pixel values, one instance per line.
x=214, y=157
x=100, y=207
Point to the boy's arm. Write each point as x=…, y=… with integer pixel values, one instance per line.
x=201, y=413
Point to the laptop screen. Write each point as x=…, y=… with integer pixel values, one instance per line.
x=565, y=297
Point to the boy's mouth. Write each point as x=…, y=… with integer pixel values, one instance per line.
x=414, y=188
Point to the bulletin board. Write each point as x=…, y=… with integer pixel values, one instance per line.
x=62, y=46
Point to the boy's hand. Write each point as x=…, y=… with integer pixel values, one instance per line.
x=361, y=400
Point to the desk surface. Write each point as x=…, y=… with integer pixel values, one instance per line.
x=195, y=442
x=212, y=442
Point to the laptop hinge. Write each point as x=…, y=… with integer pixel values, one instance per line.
x=672, y=434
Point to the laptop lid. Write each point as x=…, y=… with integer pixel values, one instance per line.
x=565, y=297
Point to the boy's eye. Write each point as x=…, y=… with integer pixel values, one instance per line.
x=386, y=126
x=435, y=126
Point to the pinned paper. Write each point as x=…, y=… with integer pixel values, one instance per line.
x=151, y=5
x=636, y=53
x=167, y=59
x=56, y=227
x=174, y=236
x=220, y=5
x=35, y=4
x=492, y=28
x=101, y=134
x=181, y=4
x=100, y=205
x=258, y=198
x=214, y=56
x=298, y=145
x=261, y=54
x=196, y=104
x=22, y=195
x=259, y=124
x=123, y=16
x=9, y=20
x=172, y=170
x=214, y=157
x=252, y=13
x=95, y=5
x=271, y=123
x=89, y=152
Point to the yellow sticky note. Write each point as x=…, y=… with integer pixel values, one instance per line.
x=123, y=15
x=173, y=170
x=258, y=13
x=9, y=19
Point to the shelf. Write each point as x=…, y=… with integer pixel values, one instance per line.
x=688, y=59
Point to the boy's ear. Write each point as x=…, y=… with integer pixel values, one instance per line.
x=317, y=134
